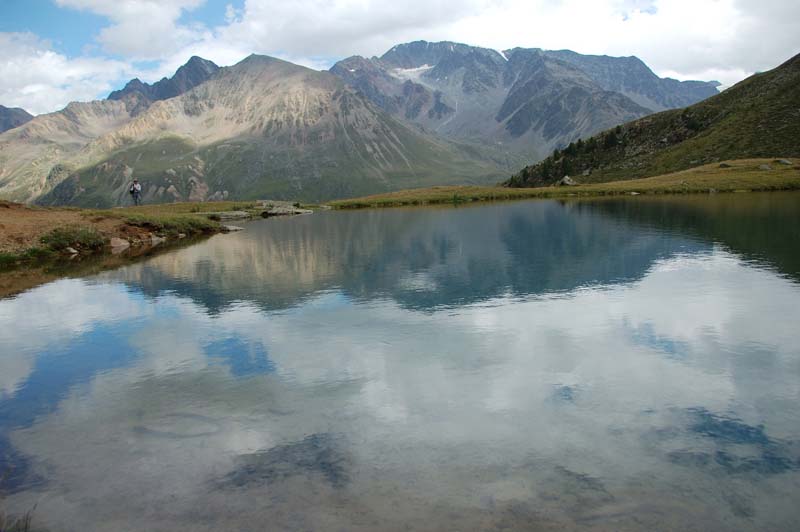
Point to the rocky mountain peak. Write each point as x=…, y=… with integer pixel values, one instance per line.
x=419, y=53
x=196, y=71
x=11, y=117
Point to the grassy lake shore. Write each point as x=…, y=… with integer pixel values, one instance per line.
x=745, y=175
x=37, y=244
x=32, y=235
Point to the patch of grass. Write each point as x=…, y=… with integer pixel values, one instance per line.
x=171, y=219
x=171, y=209
x=20, y=524
x=14, y=524
x=81, y=238
x=173, y=225
x=37, y=254
x=741, y=175
x=8, y=260
x=85, y=239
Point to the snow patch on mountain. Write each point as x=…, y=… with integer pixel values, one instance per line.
x=412, y=74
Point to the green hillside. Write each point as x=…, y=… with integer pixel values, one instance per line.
x=172, y=169
x=759, y=117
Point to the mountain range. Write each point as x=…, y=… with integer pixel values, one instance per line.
x=520, y=102
x=422, y=114
x=758, y=117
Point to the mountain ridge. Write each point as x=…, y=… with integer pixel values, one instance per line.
x=757, y=117
x=194, y=72
x=472, y=94
x=11, y=117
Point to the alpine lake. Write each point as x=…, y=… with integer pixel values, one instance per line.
x=612, y=364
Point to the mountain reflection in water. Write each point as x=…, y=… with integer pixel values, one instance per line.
x=614, y=364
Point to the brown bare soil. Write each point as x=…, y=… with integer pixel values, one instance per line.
x=22, y=226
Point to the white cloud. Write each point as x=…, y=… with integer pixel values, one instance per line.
x=699, y=39
x=52, y=315
x=685, y=39
x=38, y=79
x=143, y=29
x=725, y=40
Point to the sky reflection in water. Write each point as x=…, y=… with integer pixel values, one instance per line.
x=602, y=365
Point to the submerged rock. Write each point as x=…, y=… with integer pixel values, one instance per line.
x=232, y=228
x=118, y=245
x=318, y=454
x=283, y=210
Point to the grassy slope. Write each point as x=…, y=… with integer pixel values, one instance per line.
x=743, y=175
x=756, y=118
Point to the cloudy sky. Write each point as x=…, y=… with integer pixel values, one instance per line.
x=56, y=51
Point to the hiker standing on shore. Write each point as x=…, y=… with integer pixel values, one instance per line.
x=136, y=192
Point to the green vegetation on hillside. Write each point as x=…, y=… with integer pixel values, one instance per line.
x=755, y=118
x=171, y=168
x=745, y=175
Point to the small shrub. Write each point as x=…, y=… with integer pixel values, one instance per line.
x=7, y=260
x=22, y=524
x=37, y=254
x=76, y=237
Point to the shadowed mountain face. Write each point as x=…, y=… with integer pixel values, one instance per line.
x=755, y=118
x=193, y=73
x=519, y=103
x=11, y=117
x=631, y=77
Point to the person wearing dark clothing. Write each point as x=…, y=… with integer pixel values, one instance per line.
x=136, y=192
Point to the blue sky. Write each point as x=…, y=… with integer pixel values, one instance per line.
x=72, y=31
x=67, y=29
x=56, y=51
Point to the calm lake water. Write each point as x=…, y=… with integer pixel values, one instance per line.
x=625, y=364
